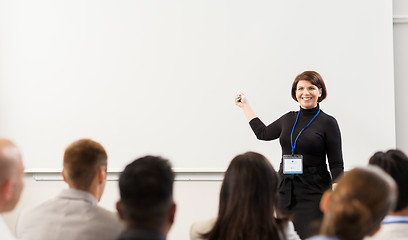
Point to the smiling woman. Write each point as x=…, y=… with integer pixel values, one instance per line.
x=307, y=94
x=306, y=136
x=308, y=89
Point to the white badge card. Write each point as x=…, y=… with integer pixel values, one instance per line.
x=292, y=164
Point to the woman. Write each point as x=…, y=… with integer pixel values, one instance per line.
x=357, y=206
x=306, y=136
x=247, y=204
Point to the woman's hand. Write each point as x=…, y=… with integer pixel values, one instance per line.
x=242, y=101
x=239, y=100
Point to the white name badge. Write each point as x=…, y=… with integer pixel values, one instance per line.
x=292, y=164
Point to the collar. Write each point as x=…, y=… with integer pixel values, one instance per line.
x=76, y=194
x=311, y=111
x=395, y=219
x=134, y=232
x=4, y=230
x=322, y=237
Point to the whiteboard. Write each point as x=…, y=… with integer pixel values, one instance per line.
x=159, y=76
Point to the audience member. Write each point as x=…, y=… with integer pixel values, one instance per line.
x=247, y=204
x=11, y=182
x=74, y=213
x=146, y=199
x=395, y=225
x=357, y=205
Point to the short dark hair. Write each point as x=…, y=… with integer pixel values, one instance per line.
x=82, y=159
x=146, y=191
x=395, y=163
x=312, y=77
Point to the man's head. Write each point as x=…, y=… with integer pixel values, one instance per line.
x=146, y=191
x=11, y=175
x=85, y=163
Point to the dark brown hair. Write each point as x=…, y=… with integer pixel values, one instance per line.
x=312, y=77
x=82, y=159
x=362, y=198
x=247, y=201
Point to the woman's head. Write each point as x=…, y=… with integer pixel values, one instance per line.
x=356, y=207
x=247, y=200
x=250, y=182
x=308, y=89
x=395, y=163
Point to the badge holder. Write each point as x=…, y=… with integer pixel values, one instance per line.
x=292, y=164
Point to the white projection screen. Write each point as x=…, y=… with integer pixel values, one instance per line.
x=159, y=76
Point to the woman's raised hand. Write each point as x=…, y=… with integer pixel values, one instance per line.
x=240, y=99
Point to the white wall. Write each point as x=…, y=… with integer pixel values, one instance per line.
x=159, y=76
x=198, y=199
x=401, y=73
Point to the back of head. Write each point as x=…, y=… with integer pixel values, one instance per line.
x=11, y=175
x=247, y=200
x=146, y=192
x=395, y=163
x=362, y=198
x=82, y=159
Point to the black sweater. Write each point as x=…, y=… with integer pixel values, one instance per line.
x=321, y=137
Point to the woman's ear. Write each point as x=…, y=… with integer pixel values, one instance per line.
x=325, y=201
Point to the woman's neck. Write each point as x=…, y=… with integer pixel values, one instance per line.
x=310, y=110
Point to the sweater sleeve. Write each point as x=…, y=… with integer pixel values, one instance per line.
x=263, y=132
x=334, y=149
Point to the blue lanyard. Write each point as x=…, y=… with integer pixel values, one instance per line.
x=293, y=145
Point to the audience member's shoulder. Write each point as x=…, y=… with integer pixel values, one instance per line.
x=37, y=210
x=290, y=232
x=106, y=214
x=395, y=231
x=5, y=233
x=201, y=227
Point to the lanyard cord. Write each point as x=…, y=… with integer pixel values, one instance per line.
x=293, y=145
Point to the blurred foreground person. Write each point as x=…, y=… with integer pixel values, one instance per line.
x=395, y=225
x=357, y=205
x=247, y=205
x=11, y=182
